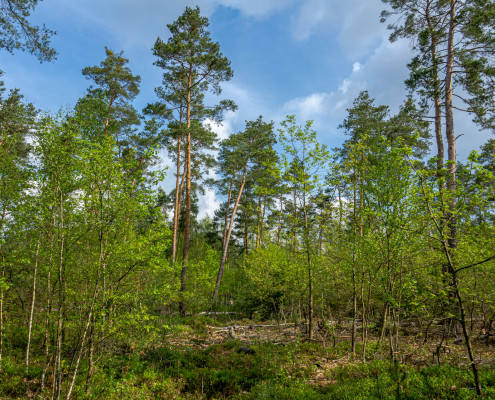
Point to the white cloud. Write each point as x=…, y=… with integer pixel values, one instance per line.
x=208, y=204
x=307, y=107
x=382, y=74
x=224, y=128
x=344, y=86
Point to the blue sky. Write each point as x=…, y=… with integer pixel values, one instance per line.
x=305, y=57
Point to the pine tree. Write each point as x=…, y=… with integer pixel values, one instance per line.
x=193, y=64
x=16, y=33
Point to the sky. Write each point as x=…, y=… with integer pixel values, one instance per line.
x=310, y=58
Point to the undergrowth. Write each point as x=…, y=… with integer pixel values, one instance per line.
x=296, y=370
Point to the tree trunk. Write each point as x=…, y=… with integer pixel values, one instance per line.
x=81, y=345
x=176, y=203
x=279, y=228
x=436, y=94
x=48, y=312
x=227, y=239
x=31, y=311
x=310, y=268
x=2, y=299
x=295, y=223
x=225, y=224
x=354, y=283
x=449, y=123
x=57, y=389
x=246, y=233
x=179, y=205
x=262, y=223
x=187, y=228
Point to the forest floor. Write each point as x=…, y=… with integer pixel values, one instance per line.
x=202, y=358
x=324, y=367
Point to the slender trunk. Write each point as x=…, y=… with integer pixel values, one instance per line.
x=363, y=301
x=320, y=233
x=226, y=221
x=262, y=223
x=354, y=283
x=467, y=339
x=187, y=228
x=361, y=229
x=449, y=123
x=310, y=268
x=258, y=228
x=176, y=203
x=81, y=345
x=47, y=333
x=2, y=298
x=436, y=94
x=361, y=197
x=33, y=301
x=179, y=205
x=354, y=305
x=61, y=299
x=91, y=351
x=366, y=319
x=384, y=325
x=227, y=239
x=462, y=319
x=455, y=289
x=48, y=312
x=295, y=223
x=246, y=233
x=279, y=229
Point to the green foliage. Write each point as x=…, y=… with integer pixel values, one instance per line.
x=274, y=279
x=16, y=33
x=355, y=247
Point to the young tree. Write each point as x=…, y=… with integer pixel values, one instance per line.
x=16, y=120
x=305, y=160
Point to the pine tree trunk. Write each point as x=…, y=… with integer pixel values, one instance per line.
x=436, y=95
x=187, y=228
x=176, y=203
x=452, y=185
x=449, y=123
x=227, y=238
x=226, y=221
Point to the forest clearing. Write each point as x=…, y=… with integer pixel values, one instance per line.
x=162, y=249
